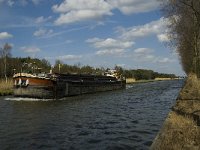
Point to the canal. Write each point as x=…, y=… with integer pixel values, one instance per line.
x=123, y=119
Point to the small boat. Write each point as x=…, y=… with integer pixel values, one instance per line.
x=56, y=86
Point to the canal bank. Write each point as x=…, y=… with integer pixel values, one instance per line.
x=6, y=87
x=181, y=129
x=133, y=81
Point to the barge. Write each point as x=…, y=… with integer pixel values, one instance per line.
x=56, y=86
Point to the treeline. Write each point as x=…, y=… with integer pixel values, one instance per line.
x=143, y=74
x=32, y=65
x=15, y=65
x=35, y=65
x=184, y=31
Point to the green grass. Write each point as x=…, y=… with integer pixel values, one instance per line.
x=6, y=88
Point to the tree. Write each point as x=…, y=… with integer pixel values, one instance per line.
x=57, y=66
x=87, y=70
x=5, y=54
x=119, y=70
x=184, y=31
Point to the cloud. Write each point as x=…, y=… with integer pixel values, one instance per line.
x=42, y=19
x=110, y=52
x=148, y=55
x=164, y=60
x=10, y=3
x=69, y=57
x=42, y=32
x=152, y=28
x=163, y=37
x=134, y=6
x=110, y=46
x=21, y=2
x=57, y=44
x=110, y=43
x=81, y=10
x=30, y=49
x=143, y=54
x=5, y=35
x=143, y=51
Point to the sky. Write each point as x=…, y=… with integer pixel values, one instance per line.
x=100, y=33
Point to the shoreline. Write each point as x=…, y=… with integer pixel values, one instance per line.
x=133, y=81
x=181, y=128
x=7, y=90
x=6, y=87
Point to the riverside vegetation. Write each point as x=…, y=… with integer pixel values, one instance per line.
x=31, y=65
x=11, y=65
x=6, y=87
x=181, y=129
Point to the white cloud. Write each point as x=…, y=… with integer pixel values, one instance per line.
x=57, y=44
x=30, y=49
x=148, y=55
x=163, y=37
x=42, y=32
x=143, y=51
x=110, y=43
x=71, y=12
x=93, y=40
x=81, y=10
x=164, y=60
x=110, y=52
x=21, y=2
x=10, y=3
x=5, y=35
x=77, y=16
x=143, y=55
x=134, y=6
x=152, y=28
x=69, y=57
x=74, y=5
x=42, y=19
x=110, y=46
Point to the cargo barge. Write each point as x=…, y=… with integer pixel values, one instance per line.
x=56, y=86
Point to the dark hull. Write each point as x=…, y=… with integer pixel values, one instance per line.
x=64, y=86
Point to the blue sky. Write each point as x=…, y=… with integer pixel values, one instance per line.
x=99, y=33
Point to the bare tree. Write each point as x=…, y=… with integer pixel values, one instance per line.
x=184, y=17
x=5, y=54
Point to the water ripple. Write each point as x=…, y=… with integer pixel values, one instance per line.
x=123, y=119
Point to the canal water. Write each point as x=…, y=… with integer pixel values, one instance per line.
x=123, y=119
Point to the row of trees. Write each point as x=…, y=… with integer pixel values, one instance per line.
x=184, y=31
x=11, y=65
x=142, y=74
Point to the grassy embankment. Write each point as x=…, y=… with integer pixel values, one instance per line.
x=178, y=132
x=6, y=88
x=181, y=129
